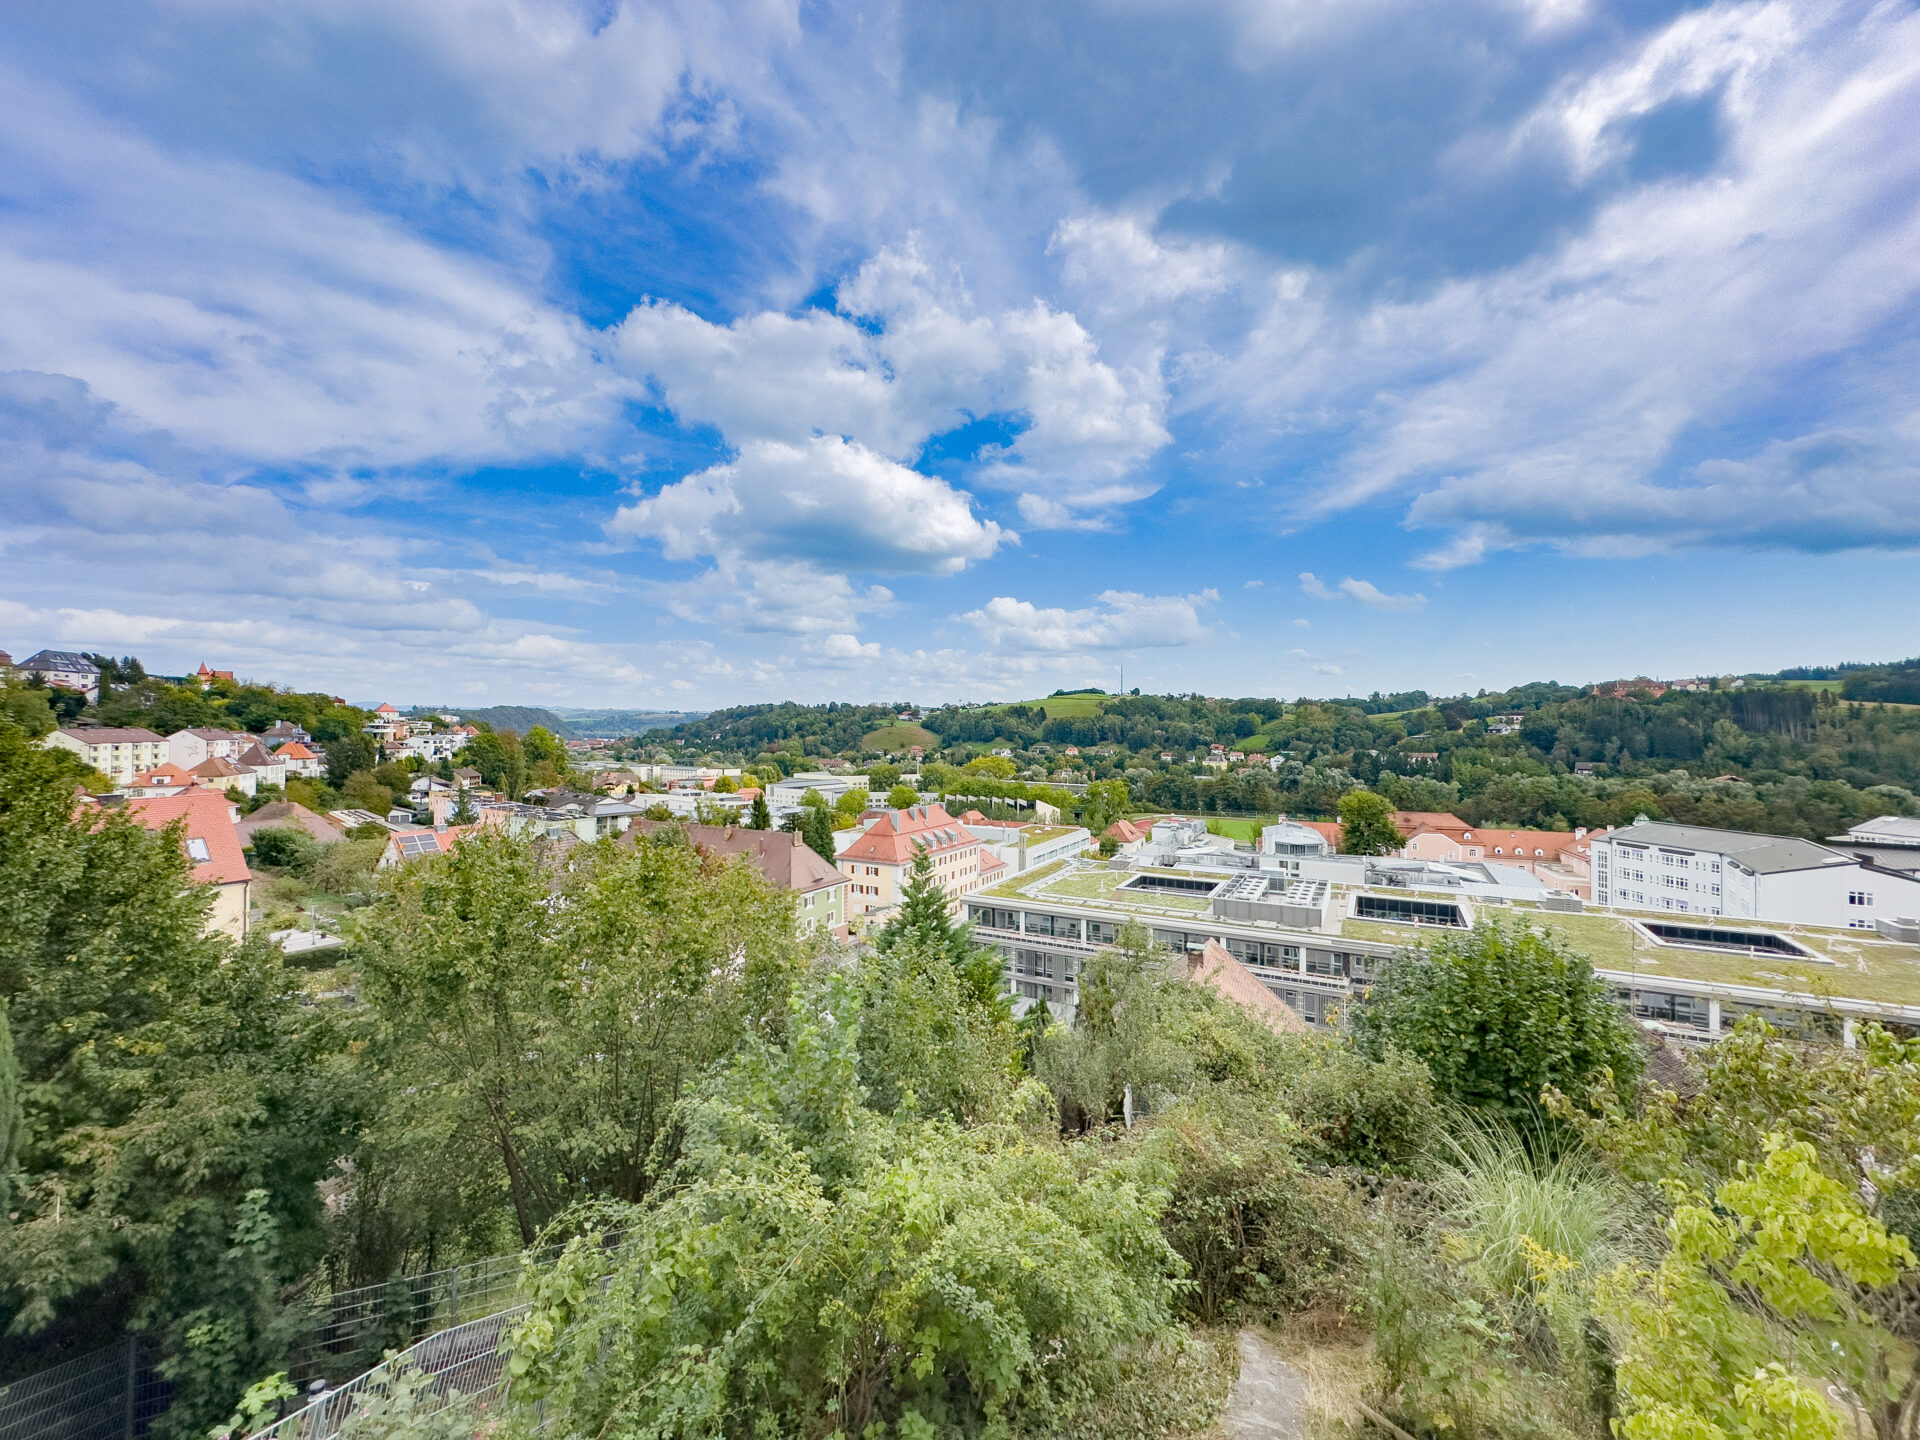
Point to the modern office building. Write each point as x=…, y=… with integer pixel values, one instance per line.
x=1691, y=870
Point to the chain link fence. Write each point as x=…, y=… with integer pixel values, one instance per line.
x=112, y=1394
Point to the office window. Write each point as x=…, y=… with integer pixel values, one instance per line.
x=1859, y=897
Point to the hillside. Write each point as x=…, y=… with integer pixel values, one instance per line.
x=518, y=718
x=619, y=724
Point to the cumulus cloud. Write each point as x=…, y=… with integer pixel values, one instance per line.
x=824, y=500
x=1365, y=592
x=1123, y=620
x=905, y=359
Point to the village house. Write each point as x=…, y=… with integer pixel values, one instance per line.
x=212, y=843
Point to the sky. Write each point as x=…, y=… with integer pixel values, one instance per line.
x=686, y=355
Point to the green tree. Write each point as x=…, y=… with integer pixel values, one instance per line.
x=499, y=758
x=819, y=1268
x=1754, y=1089
x=541, y=746
x=363, y=792
x=882, y=776
x=347, y=755
x=1106, y=802
x=814, y=825
x=902, y=797
x=549, y=1018
x=1743, y=1317
x=1366, y=824
x=1499, y=1015
x=997, y=767
x=27, y=707
x=759, y=817
x=11, y=1127
x=284, y=847
x=924, y=923
x=852, y=803
x=179, y=1103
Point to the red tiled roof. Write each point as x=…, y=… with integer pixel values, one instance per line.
x=1329, y=830
x=1125, y=831
x=782, y=858
x=1409, y=821
x=990, y=863
x=294, y=750
x=168, y=774
x=210, y=819
x=1218, y=967
x=893, y=838
x=214, y=768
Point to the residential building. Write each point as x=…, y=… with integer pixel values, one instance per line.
x=223, y=775
x=212, y=842
x=117, y=753
x=187, y=748
x=412, y=844
x=206, y=677
x=878, y=861
x=267, y=769
x=6, y=664
x=284, y=732
x=432, y=746
x=550, y=812
x=1692, y=870
x=784, y=860
x=1889, y=841
x=303, y=760
x=65, y=669
x=168, y=779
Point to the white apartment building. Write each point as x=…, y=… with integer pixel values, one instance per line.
x=117, y=753
x=188, y=748
x=1691, y=870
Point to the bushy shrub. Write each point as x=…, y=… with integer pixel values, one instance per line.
x=284, y=848
x=818, y=1267
x=1259, y=1234
x=346, y=866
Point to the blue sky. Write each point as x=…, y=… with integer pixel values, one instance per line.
x=684, y=355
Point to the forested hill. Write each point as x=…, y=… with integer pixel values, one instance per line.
x=1793, y=758
x=821, y=729
x=517, y=718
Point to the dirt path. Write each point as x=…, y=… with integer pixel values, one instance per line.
x=1269, y=1398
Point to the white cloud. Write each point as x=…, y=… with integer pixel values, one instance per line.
x=1549, y=401
x=1122, y=620
x=323, y=332
x=906, y=359
x=1364, y=592
x=824, y=500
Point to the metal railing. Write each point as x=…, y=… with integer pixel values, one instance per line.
x=351, y=1329
x=464, y=1365
x=112, y=1394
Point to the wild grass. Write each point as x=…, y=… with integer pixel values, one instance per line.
x=1513, y=1202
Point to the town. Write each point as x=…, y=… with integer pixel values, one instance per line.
x=1691, y=926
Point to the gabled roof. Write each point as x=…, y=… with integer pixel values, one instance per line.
x=209, y=820
x=286, y=815
x=294, y=750
x=64, y=662
x=168, y=774
x=897, y=834
x=1220, y=969
x=217, y=768
x=1125, y=831
x=1410, y=821
x=781, y=857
